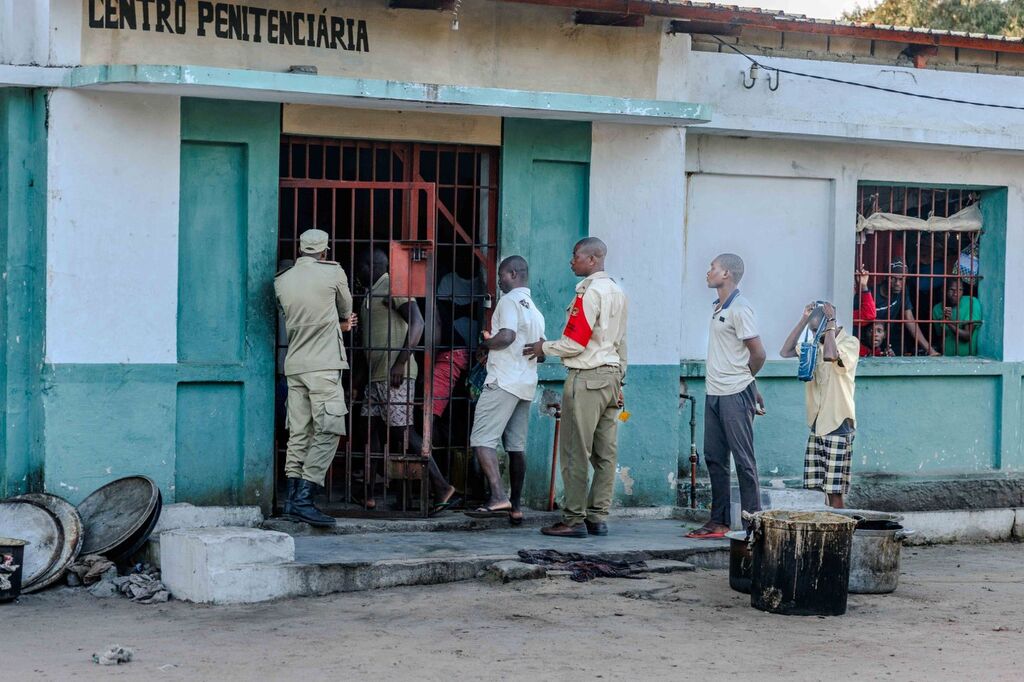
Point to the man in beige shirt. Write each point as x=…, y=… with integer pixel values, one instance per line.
x=831, y=412
x=593, y=348
x=316, y=303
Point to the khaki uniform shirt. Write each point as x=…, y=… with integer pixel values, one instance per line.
x=830, y=392
x=314, y=297
x=384, y=328
x=605, y=309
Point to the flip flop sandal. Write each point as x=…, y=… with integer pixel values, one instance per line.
x=515, y=521
x=454, y=501
x=705, y=534
x=488, y=513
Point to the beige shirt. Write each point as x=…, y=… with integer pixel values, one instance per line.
x=314, y=297
x=605, y=309
x=830, y=392
x=728, y=367
x=384, y=331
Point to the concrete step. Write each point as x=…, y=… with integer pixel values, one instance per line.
x=226, y=565
x=447, y=521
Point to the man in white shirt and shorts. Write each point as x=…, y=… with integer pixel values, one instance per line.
x=503, y=410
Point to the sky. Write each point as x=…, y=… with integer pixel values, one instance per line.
x=816, y=9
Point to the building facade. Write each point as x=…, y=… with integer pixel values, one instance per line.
x=159, y=158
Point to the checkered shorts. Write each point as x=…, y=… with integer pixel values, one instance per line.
x=827, y=463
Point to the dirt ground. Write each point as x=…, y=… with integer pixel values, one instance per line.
x=957, y=614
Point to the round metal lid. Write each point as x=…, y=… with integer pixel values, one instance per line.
x=114, y=512
x=71, y=524
x=134, y=543
x=34, y=523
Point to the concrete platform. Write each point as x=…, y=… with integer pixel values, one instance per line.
x=202, y=569
x=660, y=539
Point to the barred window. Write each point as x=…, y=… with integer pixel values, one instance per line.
x=918, y=249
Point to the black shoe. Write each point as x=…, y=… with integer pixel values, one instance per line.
x=562, y=530
x=597, y=528
x=303, y=508
x=287, y=510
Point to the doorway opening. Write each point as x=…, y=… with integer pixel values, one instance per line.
x=429, y=212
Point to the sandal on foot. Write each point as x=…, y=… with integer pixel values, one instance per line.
x=705, y=533
x=454, y=501
x=488, y=513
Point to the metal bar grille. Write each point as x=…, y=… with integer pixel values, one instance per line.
x=432, y=209
x=924, y=283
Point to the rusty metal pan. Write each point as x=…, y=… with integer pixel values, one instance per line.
x=133, y=544
x=71, y=525
x=115, y=512
x=33, y=522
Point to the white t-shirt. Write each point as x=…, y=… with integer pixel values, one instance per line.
x=728, y=370
x=508, y=367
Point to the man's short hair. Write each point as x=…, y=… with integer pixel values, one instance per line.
x=732, y=263
x=592, y=246
x=515, y=264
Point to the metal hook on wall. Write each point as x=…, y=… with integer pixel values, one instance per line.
x=775, y=87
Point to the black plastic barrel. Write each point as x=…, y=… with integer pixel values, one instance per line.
x=801, y=563
x=12, y=563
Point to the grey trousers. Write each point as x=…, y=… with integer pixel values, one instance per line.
x=729, y=427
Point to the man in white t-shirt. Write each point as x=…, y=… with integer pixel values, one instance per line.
x=503, y=410
x=735, y=355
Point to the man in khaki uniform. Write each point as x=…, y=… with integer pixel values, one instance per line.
x=317, y=306
x=593, y=348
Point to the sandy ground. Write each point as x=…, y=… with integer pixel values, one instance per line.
x=957, y=614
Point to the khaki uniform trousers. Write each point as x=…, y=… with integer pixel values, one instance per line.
x=316, y=422
x=588, y=438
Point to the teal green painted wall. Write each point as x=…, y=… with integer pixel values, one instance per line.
x=992, y=263
x=545, y=189
x=22, y=287
x=106, y=421
x=202, y=428
x=226, y=315
x=915, y=417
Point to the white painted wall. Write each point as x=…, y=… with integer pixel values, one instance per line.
x=40, y=32
x=637, y=185
x=807, y=108
x=800, y=171
x=24, y=25
x=780, y=228
x=112, y=228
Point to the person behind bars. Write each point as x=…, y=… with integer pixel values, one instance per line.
x=593, y=348
x=316, y=303
x=392, y=328
x=831, y=413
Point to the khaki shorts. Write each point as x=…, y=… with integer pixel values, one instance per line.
x=498, y=414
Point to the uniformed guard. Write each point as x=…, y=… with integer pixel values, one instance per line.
x=317, y=305
x=593, y=348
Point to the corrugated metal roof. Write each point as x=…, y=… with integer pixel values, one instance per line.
x=779, y=15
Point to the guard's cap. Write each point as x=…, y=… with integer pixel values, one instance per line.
x=313, y=241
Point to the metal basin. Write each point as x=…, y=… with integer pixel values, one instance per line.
x=41, y=529
x=71, y=525
x=117, y=511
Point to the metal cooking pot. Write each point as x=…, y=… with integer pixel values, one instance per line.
x=875, y=556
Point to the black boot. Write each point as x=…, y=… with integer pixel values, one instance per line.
x=287, y=510
x=303, y=508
